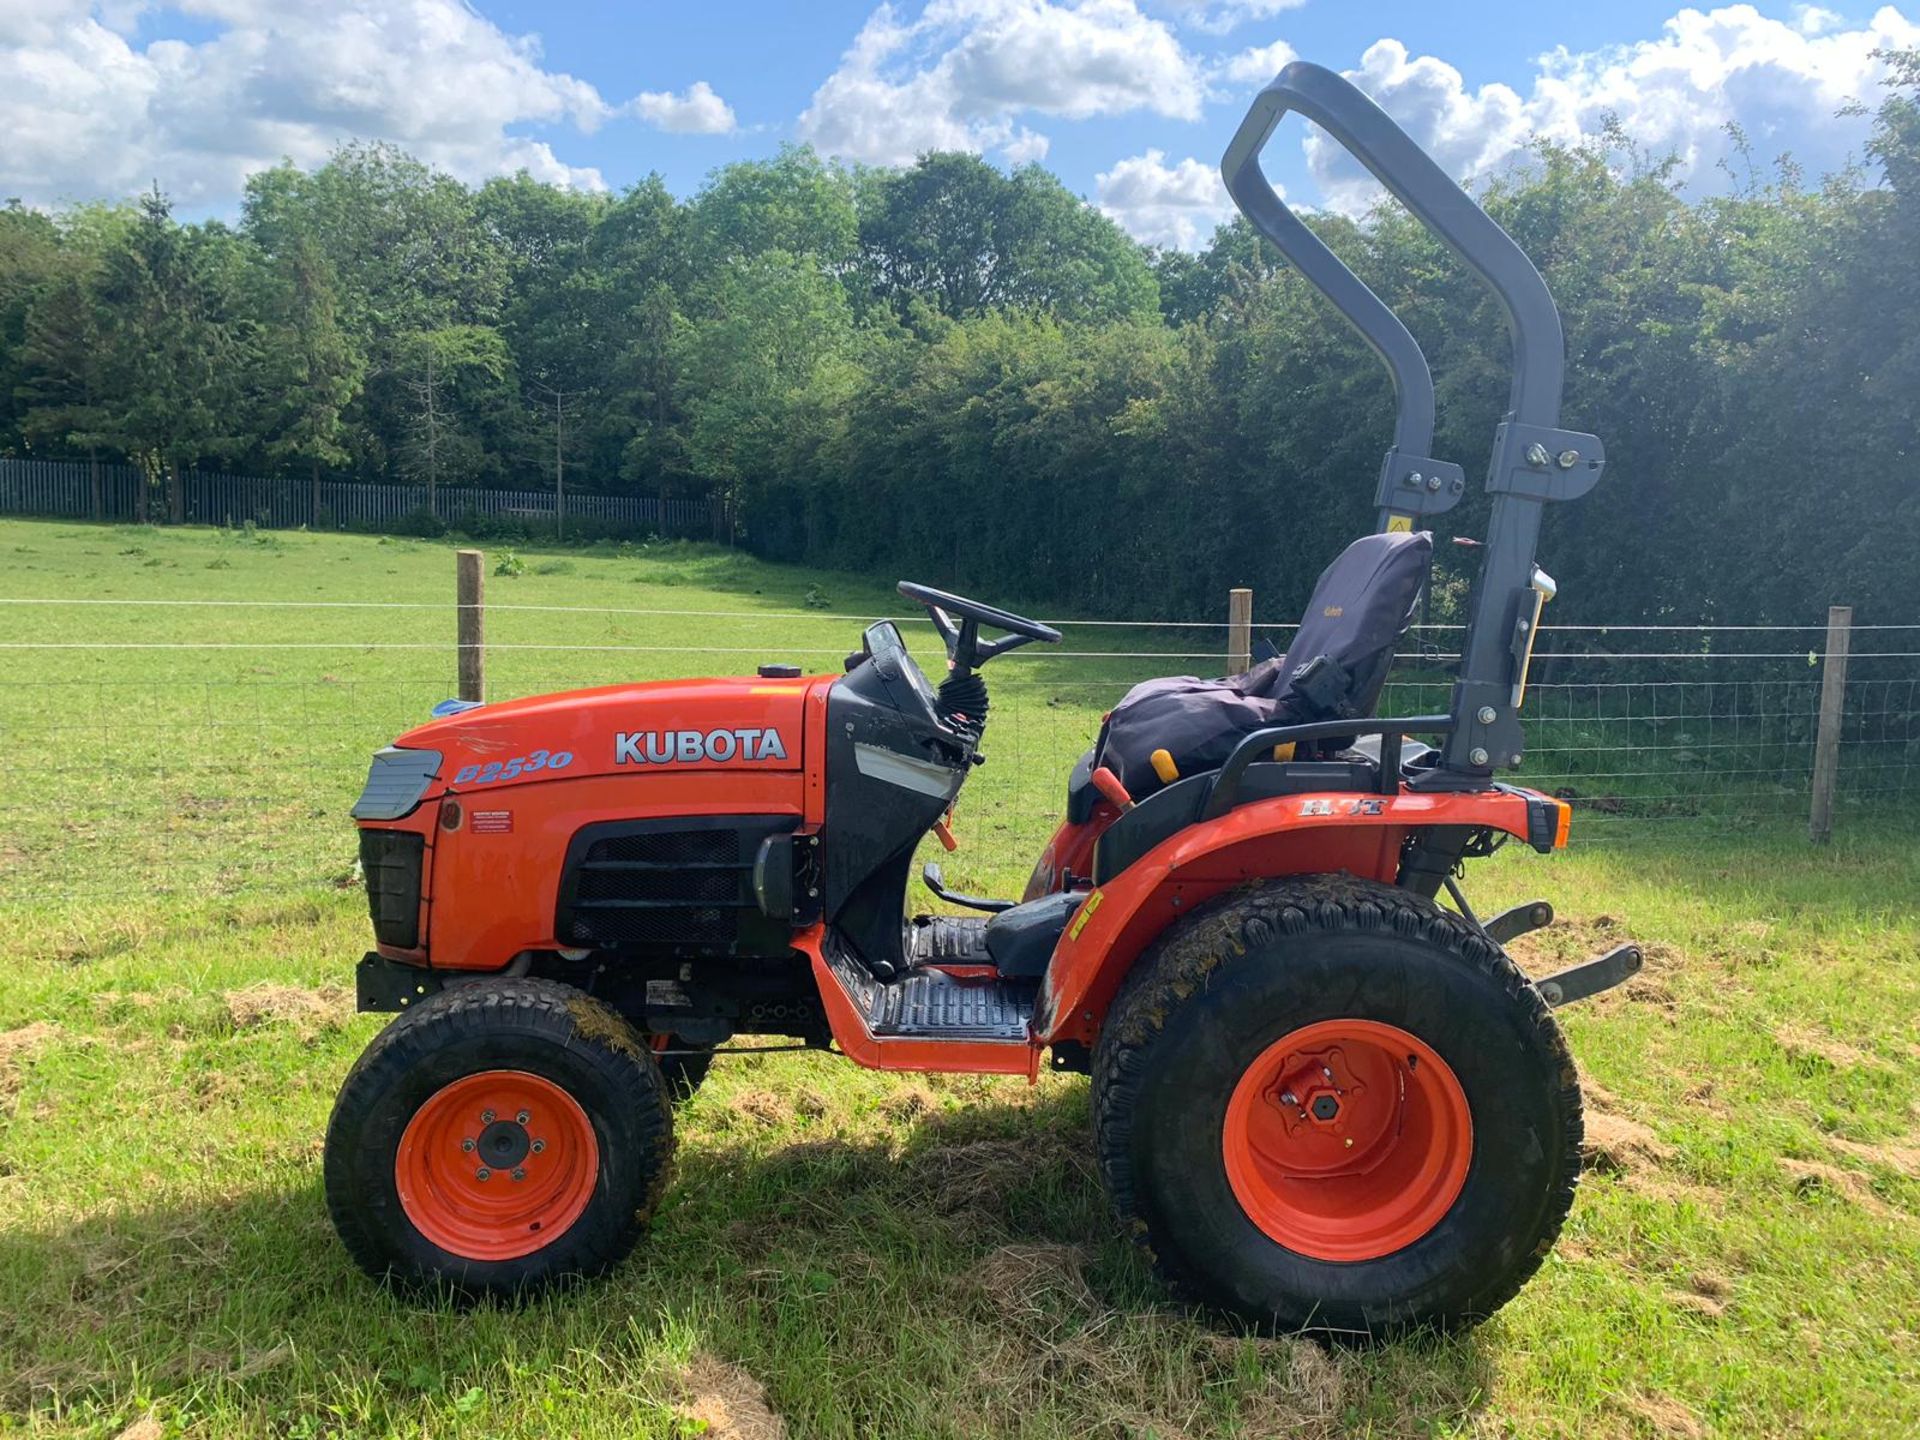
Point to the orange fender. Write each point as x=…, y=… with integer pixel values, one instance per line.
x=1287, y=835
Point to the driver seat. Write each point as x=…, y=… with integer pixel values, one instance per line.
x=1333, y=670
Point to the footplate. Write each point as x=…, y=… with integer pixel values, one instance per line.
x=1590, y=977
x=948, y=940
x=931, y=1004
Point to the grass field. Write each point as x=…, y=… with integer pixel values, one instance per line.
x=855, y=1255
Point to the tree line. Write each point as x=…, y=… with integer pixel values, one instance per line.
x=972, y=377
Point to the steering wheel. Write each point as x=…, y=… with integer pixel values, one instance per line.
x=965, y=648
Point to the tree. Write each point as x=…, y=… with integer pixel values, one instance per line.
x=443, y=369
x=30, y=259
x=955, y=231
x=795, y=203
x=751, y=367
x=176, y=344
x=316, y=367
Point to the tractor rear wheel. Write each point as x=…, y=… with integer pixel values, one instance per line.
x=1327, y=1104
x=504, y=1135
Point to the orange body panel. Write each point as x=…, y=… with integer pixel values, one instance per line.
x=1288, y=835
x=620, y=752
x=508, y=882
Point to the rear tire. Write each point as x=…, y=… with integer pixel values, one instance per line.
x=1465, y=1166
x=505, y=1135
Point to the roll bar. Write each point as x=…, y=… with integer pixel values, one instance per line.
x=1533, y=460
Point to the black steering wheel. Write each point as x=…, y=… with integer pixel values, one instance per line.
x=965, y=648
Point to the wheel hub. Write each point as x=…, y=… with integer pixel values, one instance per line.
x=496, y=1165
x=1347, y=1140
x=503, y=1144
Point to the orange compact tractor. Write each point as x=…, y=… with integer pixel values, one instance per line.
x=1321, y=1098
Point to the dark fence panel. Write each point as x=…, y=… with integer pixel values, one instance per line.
x=120, y=492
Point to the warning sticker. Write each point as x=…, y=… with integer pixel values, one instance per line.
x=491, y=822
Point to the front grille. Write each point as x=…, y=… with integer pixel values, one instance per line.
x=684, y=884
x=668, y=847
x=391, y=861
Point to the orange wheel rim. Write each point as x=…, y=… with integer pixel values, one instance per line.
x=1347, y=1140
x=496, y=1165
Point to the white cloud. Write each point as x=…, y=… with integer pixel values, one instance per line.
x=1217, y=17
x=1175, y=205
x=1781, y=82
x=957, y=77
x=1257, y=66
x=89, y=111
x=698, y=111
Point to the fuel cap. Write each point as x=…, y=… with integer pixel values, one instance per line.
x=779, y=672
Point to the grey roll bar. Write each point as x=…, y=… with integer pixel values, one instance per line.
x=1533, y=461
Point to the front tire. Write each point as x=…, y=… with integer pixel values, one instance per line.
x=505, y=1135
x=1327, y=1104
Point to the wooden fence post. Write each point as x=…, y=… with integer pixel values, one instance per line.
x=471, y=593
x=1833, y=708
x=1239, y=631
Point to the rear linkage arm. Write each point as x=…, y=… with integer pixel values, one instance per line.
x=1563, y=987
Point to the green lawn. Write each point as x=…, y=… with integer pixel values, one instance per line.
x=859, y=1255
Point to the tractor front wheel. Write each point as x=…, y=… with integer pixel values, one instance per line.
x=504, y=1135
x=1327, y=1104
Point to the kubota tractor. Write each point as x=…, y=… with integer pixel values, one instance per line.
x=1321, y=1098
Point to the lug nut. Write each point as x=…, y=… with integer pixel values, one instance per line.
x=486, y=1117
x=467, y=1144
x=519, y=1173
x=538, y=1146
x=523, y=1117
x=483, y=1174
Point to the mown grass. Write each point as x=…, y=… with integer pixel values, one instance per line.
x=855, y=1254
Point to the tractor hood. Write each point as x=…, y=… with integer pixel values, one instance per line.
x=665, y=724
x=745, y=724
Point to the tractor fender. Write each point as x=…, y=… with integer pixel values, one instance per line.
x=1266, y=839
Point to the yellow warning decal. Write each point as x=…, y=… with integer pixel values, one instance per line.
x=1086, y=914
x=1398, y=524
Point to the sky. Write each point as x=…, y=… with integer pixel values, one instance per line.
x=1130, y=102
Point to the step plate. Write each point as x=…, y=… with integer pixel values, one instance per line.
x=931, y=1004
x=948, y=940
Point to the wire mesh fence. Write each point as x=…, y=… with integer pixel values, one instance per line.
x=190, y=747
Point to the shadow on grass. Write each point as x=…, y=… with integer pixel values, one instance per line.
x=949, y=1271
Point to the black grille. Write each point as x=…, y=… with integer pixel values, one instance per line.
x=683, y=884
x=391, y=862
x=668, y=847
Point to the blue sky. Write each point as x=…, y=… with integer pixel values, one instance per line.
x=1129, y=101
